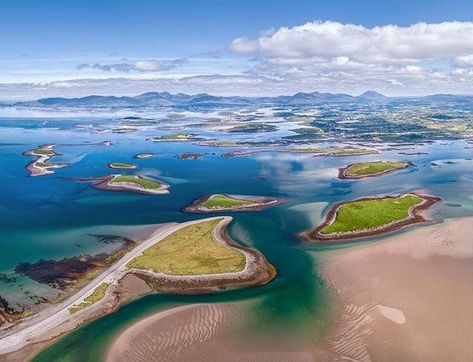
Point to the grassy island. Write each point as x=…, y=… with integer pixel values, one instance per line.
x=142, y=182
x=332, y=151
x=220, y=201
x=121, y=165
x=42, y=165
x=192, y=250
x=97, y=295
x=224, y=202
x=371, y=216
x=176, y=137
x=371, y=169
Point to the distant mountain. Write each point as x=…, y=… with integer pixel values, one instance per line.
x=166, y=99
x=373, y=96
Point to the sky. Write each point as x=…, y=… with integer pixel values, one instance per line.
x=127, y=47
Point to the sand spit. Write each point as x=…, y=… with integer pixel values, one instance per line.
x=407, y=298
x=41, y=166
x=57, y=319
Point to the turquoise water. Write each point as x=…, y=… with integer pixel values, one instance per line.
x=48, y=217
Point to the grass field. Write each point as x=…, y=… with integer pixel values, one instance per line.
x=43, y=164
x=145, y=183
x=370, y=214
x=93, y=298
x=42, y=152
x=192, y=250
x=219, y=201
x=373, y=168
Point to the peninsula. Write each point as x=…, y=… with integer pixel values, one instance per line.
x=194, y=257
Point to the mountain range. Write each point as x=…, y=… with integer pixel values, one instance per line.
x=166, y=99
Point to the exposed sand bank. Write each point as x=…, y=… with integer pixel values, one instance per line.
x=201, y=332
x=407, y=298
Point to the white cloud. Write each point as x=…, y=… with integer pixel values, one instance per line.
x=147, y=65
x=330, y=56
x=382, y=44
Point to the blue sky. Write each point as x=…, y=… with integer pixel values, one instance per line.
x=81, y=47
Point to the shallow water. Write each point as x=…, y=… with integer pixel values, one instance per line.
x=49, y=216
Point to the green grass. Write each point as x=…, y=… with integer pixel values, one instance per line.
x=145, y=183
x=222, y=202
x=122, y=165
x=43, y=152
x=371, y=214
x=372, y=168
x=192, y=250
x=43, y=164
x=336, y=151
x=174, y=136
x=93, y=298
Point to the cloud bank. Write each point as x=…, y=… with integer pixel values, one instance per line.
x=147, y=65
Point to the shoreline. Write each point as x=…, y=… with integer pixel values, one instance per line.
x=36, y=170
x=104, y=183
x=342, y=175
x=416, y=215
x=262, y=202
x=56, y=320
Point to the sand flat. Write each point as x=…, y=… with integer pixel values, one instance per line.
x=407, y=298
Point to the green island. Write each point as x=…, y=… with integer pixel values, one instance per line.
x=43, y=164
x=192, y=250
x=220, y=201
x=254, y=127
x=97, y=295
x=121, y=165
x=174, y=137
x=370, y=169
x=332, y=151
x=43, y=152
x=223, y=202
x=133, y=179
x=371, y=216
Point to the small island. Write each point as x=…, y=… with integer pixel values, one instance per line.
x=371, y=217
x=175, y=137
x=140, y=156
x=121, y=165
x=224, y=202
x=42, y=165
x=201, y=258
x=361, y=170
x=129, y=183
x=331, y=151
x=190, y=156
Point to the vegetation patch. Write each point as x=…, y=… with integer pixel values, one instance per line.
x=369, y=169
x=192, y=250
x=141, y=182
x=371, y=214
x=97, y=295
x=220, y=201
x=332, y=151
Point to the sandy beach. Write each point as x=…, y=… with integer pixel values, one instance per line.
x=406, y=298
